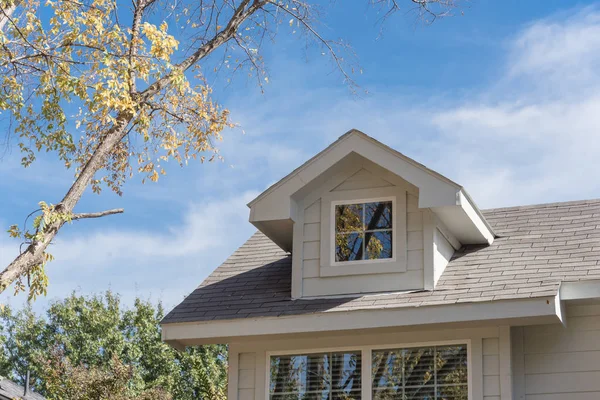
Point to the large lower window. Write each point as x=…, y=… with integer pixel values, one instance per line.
x=325, y=376
x=425, y=373
x=363, y=231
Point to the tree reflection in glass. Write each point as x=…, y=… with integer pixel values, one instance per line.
x=430, y=373
x=363, y=231
x=327, y=376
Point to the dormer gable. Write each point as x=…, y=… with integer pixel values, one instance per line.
x=329, y=213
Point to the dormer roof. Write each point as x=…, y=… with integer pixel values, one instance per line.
x=273, y=212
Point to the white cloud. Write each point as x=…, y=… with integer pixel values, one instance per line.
x=539, y=142
x=530, y=135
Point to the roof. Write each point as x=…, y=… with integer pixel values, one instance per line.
x=10, y=390
x=273, y=212
x=537, y=247
x=326, y=150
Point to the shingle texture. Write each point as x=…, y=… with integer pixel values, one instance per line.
x=10, y=391
x=538, y=247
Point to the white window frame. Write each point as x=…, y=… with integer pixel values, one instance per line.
x=397, y=264
x=366, y=361
x=332, y=223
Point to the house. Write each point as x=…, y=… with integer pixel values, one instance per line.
x=374, y=277
x=9, y=390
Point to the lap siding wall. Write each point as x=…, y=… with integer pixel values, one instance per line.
x=558, y=362
x=249, y=365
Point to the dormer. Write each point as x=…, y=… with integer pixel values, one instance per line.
x=360, y=217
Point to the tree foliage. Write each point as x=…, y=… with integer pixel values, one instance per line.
x=95, y=342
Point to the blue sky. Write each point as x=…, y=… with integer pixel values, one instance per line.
x=503, y=99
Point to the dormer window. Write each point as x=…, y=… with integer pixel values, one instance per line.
x=364, y=231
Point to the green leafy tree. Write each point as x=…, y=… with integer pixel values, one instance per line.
x=138, y=96
x=64, y=381
x=93, y=338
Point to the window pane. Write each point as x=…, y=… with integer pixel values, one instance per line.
x=378, y=245
x=418, y=368
x=348, y=246
x=430, y=373
x=324, y=376
x=346, y=376
x=387, y=374
x=349, y=218
x=378, y=215
x=451, y=365
x=453, y=393
x=420, y=393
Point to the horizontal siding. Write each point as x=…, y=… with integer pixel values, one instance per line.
x=563, y=363
x=312, y=232
x=311, y=250
x=491, y=369
x=363, y=283
x=311, y=245
x=314, y=285
x=414, y=240
x=246, y=376
x=414, y=260
x=414, y=221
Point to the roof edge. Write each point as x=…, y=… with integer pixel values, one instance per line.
x=530, y=309
x=343, y=137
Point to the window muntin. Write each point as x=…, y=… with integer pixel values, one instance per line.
x=324, y=376
x=363, y=231
x=426, y=373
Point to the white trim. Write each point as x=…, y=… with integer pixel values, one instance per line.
x=428, y=233
x=366, y=365
x=448, y=235
x=476, y=360
x=297, y=256
x=346, y=137
x=528, y=311
x=332, y=225
x=366, y=360
x=474, y=214
x=580, y=290
x=233, y=361
x=396, y=264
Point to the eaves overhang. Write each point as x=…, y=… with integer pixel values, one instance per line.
x=527, y=311
x=273, y=212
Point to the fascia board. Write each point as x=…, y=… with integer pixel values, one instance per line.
x=434, y=189
x=580, y=290
x=505, y=310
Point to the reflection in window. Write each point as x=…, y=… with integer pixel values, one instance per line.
x=327, y=376
x=363, y=231
x=430, y=373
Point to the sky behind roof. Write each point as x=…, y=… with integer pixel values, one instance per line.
x=503, y=100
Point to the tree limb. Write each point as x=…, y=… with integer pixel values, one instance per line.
x=97, y=214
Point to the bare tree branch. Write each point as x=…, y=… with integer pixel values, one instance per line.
x=97, y=214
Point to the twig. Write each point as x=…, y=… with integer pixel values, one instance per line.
x=97, y=214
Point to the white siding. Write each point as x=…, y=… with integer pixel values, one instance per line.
x=246, y=376
x=315, y=285
x=491, y=369
x=563, y=363
x=363, y=179
x=253, y=355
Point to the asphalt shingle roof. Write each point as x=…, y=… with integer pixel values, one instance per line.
x=10, y=390
x=538, y=247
